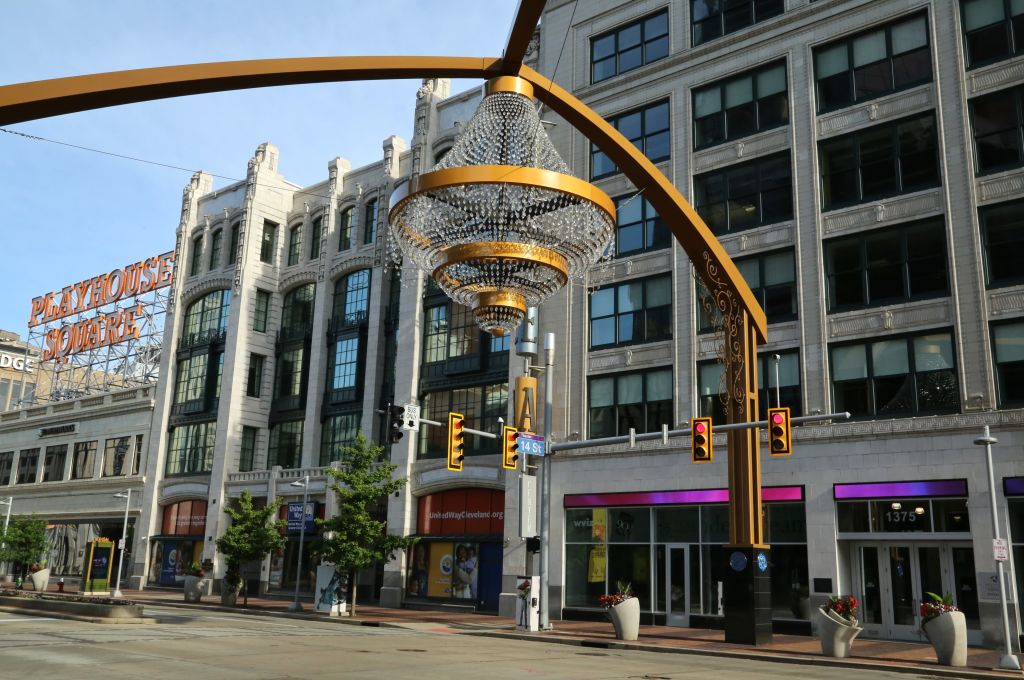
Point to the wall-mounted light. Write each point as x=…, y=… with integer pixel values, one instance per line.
x=897, y=506
x=918, y=510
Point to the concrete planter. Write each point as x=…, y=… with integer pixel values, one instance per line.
x=836, y=634
x=625, y=618
x=948, y=635
x=66, y=605
x=195, y=588
x=40, y=580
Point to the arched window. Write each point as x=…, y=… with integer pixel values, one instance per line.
x=298, y=307
x=370, y=223
x=207, y=317
x=351, y=298
x=215, y=243
x=345, y=224
x=295, y=244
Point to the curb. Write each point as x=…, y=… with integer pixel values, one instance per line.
x=894, y=667
x=344, y=620
x=76, y=617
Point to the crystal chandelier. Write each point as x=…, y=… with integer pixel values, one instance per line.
x=499, y=222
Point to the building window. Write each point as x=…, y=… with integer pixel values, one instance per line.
x=500, y=343
x=746, y=195
x=254, y=383
x=115, y=454
x=351, y=298
x=215, y=245
x=346, y=226
x=1008, y=343
x=631, y=312
x=899, y=264
x=873, y=64
x=639, y=228
x=740, y=106
x=83, y=461
x=316, y=238
x=289, y=373
x=207, y=317
x=269, y=242
x=993, y=30
x=190, y=380
x=28, y=466
x=295, y=244
x=6, y=462
x=435, y=333
x=996, y=121
x=285, y=445
x=480, y=404
x=464, y=334
x=338, y=432
x=1002, y=234
x=247, y=450
x=191, y=449
x=629, y=47
x=53, y=463
x=297, y=308
x=880, y=161
x=259, y=317
x=711, y=383
x=346, y=363
x=642, y=401
x=771, y=277
x=370, y=222
x=905, y=376
x=195, y=261
x=647, y=128
x=715, y=18
x=233, y=246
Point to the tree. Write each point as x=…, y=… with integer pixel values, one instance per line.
x=353, y=538
x=254, y=532
x=24, y=542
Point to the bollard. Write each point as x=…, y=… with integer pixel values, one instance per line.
x=60, y=586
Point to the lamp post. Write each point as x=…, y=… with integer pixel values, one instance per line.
x=127, y=495
x=545, y=487
x=303, y=483
x=7, y=520
x=1009, y=660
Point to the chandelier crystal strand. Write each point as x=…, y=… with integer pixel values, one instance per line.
x=500, y=222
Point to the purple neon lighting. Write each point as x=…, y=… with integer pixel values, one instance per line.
x=1013, y=486
x=941, y=487
x=689, y=497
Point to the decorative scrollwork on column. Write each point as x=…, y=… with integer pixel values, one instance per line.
x=720, y=303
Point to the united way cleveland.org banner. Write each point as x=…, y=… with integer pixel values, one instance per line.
x=458, y=512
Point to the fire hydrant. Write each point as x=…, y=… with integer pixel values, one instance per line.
x=60, y=586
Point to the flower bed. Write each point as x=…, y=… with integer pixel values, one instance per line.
x=79, y=605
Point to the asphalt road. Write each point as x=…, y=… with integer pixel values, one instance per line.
x=198, y=645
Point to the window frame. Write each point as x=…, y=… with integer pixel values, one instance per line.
x=330, y=443
x=615, y=120
x=644, y=401
x=1011, y=42
x=346, y=228
x=1002, y=400
x=211, y=319
x=30, y=471
x=268, y=242
x=215, y=248
x=347, y=294
x=643, y=312
x=726, y=175
x=247, y=448
x=294, y=245
x=316, y=238
x=53, y=453
x=755, y=101
x=370, y=217
x=655, y=234
x=254, y=377
x=194, y=456
x=643, y=45
x=765, y=390
x=720, y=17
x=236, y=233
x=195, y=264
x=984, y=217
x=492, y=402
x=261, y=313
x=88, y=465
x=760, y=291
x=1017, y=106
x=295, y=427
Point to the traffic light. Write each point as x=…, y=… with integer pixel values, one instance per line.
x=510, y=448
x=780, y=442
x=396, y=418
x=700, y=439
x=456, y=444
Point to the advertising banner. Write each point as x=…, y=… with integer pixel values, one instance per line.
x=331, y=590
x=295, y=515
x=101, y=553
x=439, y=577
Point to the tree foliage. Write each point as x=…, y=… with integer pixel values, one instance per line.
x=353, y=538
x=24, y=542
x=254, y=532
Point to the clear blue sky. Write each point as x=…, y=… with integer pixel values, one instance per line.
x=68, y=214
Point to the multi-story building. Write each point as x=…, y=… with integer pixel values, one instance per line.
x=18, y=376
x=861, y=161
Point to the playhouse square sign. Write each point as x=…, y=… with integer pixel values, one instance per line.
x=105, y=328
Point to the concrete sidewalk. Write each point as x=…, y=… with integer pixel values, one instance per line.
x=874, y=654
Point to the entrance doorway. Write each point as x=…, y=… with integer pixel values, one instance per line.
x=892, y=579
x=677, y=585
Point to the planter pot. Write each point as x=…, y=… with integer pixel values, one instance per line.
x=948, y=635
x=625, y=618
x=195, y=588
x=40, y=580
x=836, y=634
x=228, y=594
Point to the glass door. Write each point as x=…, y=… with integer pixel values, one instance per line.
x=677, y=586
x=901, y=600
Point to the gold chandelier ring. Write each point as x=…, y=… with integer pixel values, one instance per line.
x=502, y=250
x=501, y=174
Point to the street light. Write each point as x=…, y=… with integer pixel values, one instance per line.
x=127, y=495
x=303, y=483
x=7, y=519
x=1008, y=660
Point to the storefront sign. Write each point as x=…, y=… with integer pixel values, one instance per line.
x=525, y=402
x=17, y=362
x=104, y=329
x=462, y=511
x=98, y=566
x=295, y=516
x=1013, y=486
x=66, y=428
x=933, y=489
x=689, y=497
x=185, y=518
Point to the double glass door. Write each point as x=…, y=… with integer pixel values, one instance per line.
x=677, y=586
x=893, y=579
